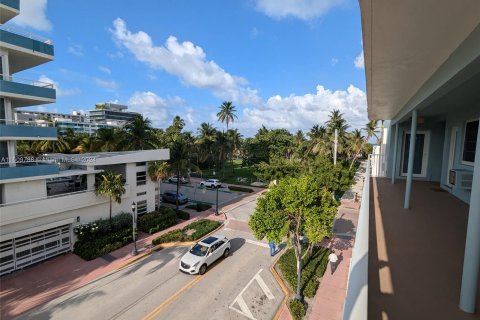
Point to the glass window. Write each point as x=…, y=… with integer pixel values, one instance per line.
x=141, y=178
x=142, y=207
x=199, y=250
x=470, y=141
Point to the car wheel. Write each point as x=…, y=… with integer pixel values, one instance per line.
x=202, y=185
x=203, y=269
x=226, y=253
x=169, y=180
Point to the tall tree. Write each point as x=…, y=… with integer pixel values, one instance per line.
x=179, y=158
x=355, y=145
x=158, y=171
x=227, y=113
x=293, y=208
x=138, y=134
x=111, y=185
x=370, y=129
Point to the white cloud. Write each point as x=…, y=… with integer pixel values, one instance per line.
x=334, y=61
x=302, y=112
x=359, y=61
x=32, y=14
x=151, y=77
x=105, y=70
x=60, y=92
x=186, y=61
x=301, y=9
x=151, y=106
x=110, y=85
x=75, y=49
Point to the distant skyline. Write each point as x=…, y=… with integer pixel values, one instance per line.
x=283, y=64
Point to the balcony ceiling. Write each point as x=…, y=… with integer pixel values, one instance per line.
x=405, y=42
x=20, y=60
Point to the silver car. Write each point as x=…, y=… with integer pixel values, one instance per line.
x=204, y=253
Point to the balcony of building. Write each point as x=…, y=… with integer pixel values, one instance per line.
x=416, y=255
x=27, y=130
x=9, y=9
x=26, y=92
x=25, y=50
x=27, y=169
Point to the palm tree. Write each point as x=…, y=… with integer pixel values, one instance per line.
x=110, y=184
x=222, y=146
x=138, y=134
x=179, y=158
x=86, y=144
x=369, y=129
x=60, y=145
x=227, y=113
x=107, y=139
x=336, y=121
x=158, y=170
x=235, y=138
x=356, y=144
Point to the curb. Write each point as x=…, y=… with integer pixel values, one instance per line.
x=285, y=290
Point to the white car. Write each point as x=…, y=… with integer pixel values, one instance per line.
x=210, y=183
x=204, y=253
x=174, y=179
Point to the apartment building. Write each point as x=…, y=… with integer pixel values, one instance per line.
x=43, y=198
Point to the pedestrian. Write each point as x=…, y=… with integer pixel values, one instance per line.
x=272, y=248
x=333, y=261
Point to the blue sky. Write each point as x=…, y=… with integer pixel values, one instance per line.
x=284, y=64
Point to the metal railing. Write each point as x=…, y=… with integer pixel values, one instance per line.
x=356, y=301
x=41, y=123
x=26, y=34
x=30, y=82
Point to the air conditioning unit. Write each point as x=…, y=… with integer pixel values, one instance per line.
x=461, y=178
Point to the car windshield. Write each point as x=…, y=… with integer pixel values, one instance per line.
x=199, y=250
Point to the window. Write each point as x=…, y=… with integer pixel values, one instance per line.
x=470, y=141
x=141, y=193
x=142, y=207
x=141, y=178
x=139, y=164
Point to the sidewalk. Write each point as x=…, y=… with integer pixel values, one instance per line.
x=26, y=289
x=330, y=296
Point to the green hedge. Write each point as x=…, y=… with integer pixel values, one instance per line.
x=183, y=215
x=201, y=227
x=103, y=227
x=297, y=309
x=157, y=220
x=199, y=206
x=314, y=266
x=241, y=189
x=94, y=248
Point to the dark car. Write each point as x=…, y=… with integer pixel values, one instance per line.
x=171, y=196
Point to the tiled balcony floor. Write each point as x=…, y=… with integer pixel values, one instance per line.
x=416, y=255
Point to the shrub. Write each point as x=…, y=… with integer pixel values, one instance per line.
x=172, y=236
x=314, y=266
x=157, y=220
x=103, y=227
x=240, y=189
x=183, y=215
x=200, y=227
x=199, y=206
x=94, y=248
x=297, y=309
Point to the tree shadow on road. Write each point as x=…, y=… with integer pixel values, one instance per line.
x=235, y=244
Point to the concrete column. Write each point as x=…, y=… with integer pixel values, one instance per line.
x=394, y=144
x=471, y=260
x=411, y=156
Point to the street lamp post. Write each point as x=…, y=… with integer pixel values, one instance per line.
x=216, y=211
x=134, y=223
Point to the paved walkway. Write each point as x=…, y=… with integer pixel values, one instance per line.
x=330, y=297
x=26, y=289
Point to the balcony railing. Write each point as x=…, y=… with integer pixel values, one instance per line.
x=30, y=82
x=26, y=34
x=42, y=124
x=356, y=301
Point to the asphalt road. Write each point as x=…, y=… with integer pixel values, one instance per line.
x=194, y=192
x=238, y=287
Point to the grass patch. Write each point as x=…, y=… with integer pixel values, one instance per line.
x=236, y=174
x=199, y=206
x=192, y=232
x=240, y=189
x=314, y=266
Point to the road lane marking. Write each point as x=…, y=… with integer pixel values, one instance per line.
x=261, y=244
x=241, y=302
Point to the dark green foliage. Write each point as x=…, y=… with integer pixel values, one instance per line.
x=182, y=215
x=97, y=247
x=297, y=309
x=278, y=168
x=101, y=227
x=200, y=227
x=240, y=189
x=157, y=220
x=199, y=206
x=314, y=266
x=337, y=179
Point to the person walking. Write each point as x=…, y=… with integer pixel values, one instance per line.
x=333, y=261
x=272, y=248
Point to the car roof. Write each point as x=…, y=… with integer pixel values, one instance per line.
x=212, y=239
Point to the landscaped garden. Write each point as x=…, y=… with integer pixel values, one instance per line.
x=192, y=232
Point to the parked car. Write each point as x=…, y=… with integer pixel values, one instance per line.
x=174, y=179
x=204, y=253
x=211, y=183
x=171, y=196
